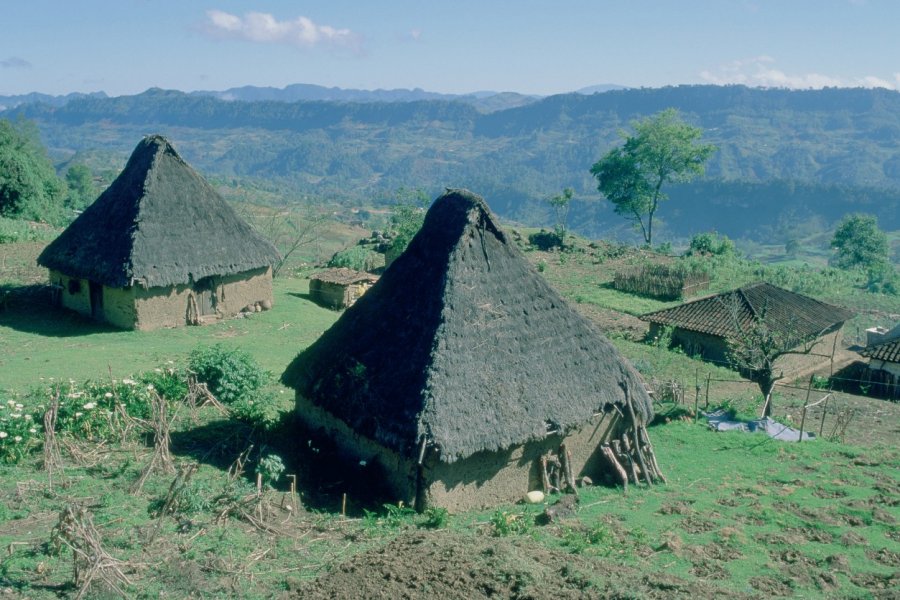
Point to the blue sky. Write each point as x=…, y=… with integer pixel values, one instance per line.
x=529, y=46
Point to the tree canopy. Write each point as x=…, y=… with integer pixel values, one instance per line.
x=859, y=242
x=29, y=187
x=664, y=149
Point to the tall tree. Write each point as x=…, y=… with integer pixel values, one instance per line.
x=80, y=182
x=560, y=204
x=664, y=149
x=29, y=187
x=859, y=242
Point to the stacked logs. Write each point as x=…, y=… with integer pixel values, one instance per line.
x=631, y=456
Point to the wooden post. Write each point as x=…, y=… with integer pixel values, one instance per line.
x=696, y=396
x=259, y=484
x=805, y=404
x=708, y=378
x=344, y=506
x=824, y=410
x=294, y=505
x=833, y=350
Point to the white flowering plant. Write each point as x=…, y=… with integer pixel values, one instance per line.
x=20, y=429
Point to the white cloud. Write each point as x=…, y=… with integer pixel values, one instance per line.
x=15, y=62
x=263, y=28
x=760, y=71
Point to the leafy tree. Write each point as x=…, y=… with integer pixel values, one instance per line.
x=407, y=218
x=755, y=345
x=859, y=242
x=664, y=149
x=29, y=187
x=560, y=204
x=80, y=183
x=710, y=244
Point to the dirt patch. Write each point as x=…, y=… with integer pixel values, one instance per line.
x=878, y=583
x=770, y=586
x=885, y=557
x=824, y=493
x=676, y=508
x=454, y=565
x=853, y=539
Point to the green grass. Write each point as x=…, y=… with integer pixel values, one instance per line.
x=37, y=344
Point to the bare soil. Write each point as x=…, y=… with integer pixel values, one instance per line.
x=444, y=564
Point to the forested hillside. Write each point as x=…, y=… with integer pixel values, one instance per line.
x=785, y=159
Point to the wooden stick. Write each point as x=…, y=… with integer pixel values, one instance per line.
x=566, y=459
x=652, y=453
x=611, y=459
x=344, y=506
x=625, y=458
x=634, y=429
x=545, y=477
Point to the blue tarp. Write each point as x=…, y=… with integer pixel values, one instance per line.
x=721, y=420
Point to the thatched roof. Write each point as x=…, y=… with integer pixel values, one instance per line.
x=159, y=224
x=344, y=276
x=791, y=315
x=463, y=344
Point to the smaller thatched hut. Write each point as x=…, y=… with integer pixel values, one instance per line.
x=339, y=288
x=159, y=248
x=461, y=369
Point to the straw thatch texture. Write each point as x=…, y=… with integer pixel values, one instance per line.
x=158, y=224
x=463, y=344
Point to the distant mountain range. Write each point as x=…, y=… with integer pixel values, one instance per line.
x=485, y=100
x=787, y=161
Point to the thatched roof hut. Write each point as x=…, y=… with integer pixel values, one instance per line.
x=159, y=229
x=339, y=287
x=460, y=357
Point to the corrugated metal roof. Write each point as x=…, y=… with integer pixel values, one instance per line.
x=792, y=315
x=887, y=351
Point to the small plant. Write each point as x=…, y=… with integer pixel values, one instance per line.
x=505, y=523
x=230, y=373
x=259, y=408
x=541, y=266
x=596, y=540
x=20, y=431
x=271, y=467
x=435, y=518
x=396, y=514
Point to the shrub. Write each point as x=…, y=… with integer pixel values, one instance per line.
x=435, y=518
x=358, y=258
x=505, y=523
x=258, y=408
x=710, y=244
x=230, y=374
x=20, y=431
x=271, y=467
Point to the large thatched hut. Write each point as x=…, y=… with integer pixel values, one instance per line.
x=461, y=368
x=159, y=248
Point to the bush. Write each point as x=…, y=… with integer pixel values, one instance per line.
x=710, y=244
x=259, y=408
x=231, y=374
x=358, y=258
x=20, y=431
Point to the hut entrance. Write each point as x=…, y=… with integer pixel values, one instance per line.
x=96, y=294
x=205, y=291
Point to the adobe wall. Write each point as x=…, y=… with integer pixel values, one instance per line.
x=168, y=307
x=118, y=307
x=75, y=293
x=490, y=478
x=482, y=480
x=328, y=294
x=399, y=472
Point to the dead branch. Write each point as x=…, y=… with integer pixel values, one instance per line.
x=91, y=562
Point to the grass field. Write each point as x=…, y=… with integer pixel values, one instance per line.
x=741, y=516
